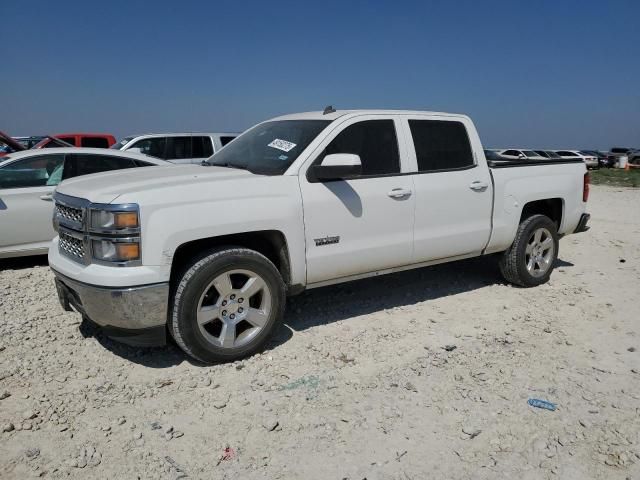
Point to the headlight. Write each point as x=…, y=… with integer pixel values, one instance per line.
x=111, y=220
x=115, y=250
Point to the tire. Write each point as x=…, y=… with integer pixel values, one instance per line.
x=515, y=262
x=212, y=320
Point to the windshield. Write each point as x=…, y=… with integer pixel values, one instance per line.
x=269, y=148
x=121, y=143
x=530, y=153
x=619, y=150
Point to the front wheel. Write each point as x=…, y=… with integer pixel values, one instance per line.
x=532, y=255
x=226, y=305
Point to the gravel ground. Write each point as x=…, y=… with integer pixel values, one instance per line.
x=424, y=374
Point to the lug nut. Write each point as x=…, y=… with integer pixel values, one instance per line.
x=232, y=317
x=240, y=310
x=240, y=300
x=224, y=313
x=232, y=297
x=224, y=303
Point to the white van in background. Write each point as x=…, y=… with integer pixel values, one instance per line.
x=176, y=147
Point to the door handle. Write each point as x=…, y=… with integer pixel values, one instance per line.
x=47, y=197
x=479, y=186
x=399, y=193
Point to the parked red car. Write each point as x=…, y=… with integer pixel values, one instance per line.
x=92, y=140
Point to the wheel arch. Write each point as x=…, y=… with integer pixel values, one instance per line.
x=550, y=207
x=270, y=243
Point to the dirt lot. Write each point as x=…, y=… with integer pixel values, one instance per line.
x=424, y=374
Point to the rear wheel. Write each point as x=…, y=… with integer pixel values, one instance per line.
x=226, y=305
x=532, y=256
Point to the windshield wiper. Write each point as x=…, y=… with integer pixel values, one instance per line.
x=225, y=165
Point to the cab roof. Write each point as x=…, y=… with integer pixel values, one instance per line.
x=320, y=115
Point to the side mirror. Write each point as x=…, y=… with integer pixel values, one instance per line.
x=522, y=156
x=338, y=166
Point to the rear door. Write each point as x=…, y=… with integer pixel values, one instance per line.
x=364, y=224
x=26, y=207
x=453, y=194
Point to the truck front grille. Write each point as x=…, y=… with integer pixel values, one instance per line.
x=69, y=213
x=71, y=247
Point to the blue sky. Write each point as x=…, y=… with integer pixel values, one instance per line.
x=537, y=73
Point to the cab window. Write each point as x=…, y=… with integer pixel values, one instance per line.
x=374, y=141
x=441, y=145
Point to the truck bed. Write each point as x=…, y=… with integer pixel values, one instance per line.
x=556, y=180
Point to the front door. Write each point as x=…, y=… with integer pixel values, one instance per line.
x=26, y=206
x=364, y=224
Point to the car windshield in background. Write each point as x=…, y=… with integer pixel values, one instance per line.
x=121, y=143
x=269, y=148
x=619, y=150
x=530, y=153
x=550, y=154
x=491, y=155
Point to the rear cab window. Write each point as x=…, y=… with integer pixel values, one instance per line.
x=441, y=145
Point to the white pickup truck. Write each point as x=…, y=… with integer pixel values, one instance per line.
x=209, y=253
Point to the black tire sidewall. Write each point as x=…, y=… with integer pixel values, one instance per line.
x=187, y=305
x=539, y=221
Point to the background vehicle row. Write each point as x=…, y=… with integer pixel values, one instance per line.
x=27, y=182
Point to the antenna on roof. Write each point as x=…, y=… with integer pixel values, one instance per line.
x=329, y=109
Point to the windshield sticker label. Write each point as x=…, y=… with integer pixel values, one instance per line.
x=282, y=157
x=282, y=145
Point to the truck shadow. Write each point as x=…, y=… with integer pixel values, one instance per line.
x=339, y=302
x=331, y=304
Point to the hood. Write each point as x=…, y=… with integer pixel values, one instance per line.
x=106, y=187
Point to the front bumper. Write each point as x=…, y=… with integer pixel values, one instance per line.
x=132, y=315
x=582, y=224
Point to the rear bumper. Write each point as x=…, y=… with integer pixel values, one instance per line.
x=133, y=315
x=582, y=224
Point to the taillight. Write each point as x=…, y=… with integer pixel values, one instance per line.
x=585, y=187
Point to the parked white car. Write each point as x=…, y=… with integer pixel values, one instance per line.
x=176, y=147
x=299, y=202
x=590, y=160
x=27, y=182
x=520, y=154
